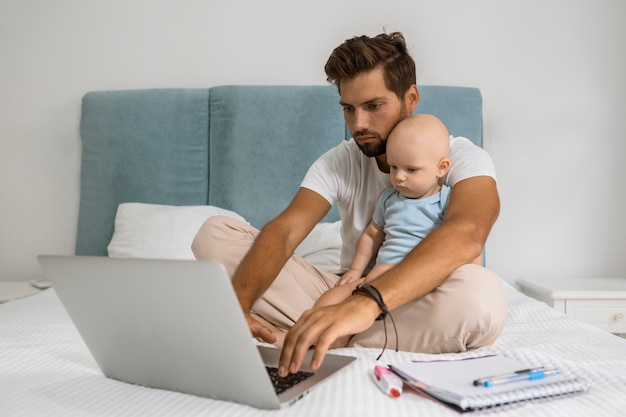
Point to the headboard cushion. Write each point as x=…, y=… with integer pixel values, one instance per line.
x=263, y=140
x=147, y=146
x=242, y=148
x=460, y=109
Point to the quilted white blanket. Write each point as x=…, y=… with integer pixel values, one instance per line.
x=46, y=370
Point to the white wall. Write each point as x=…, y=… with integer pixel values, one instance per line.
x=551, y=73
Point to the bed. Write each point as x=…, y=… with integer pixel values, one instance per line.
x=156, y=163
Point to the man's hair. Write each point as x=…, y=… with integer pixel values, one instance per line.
x=363, y=54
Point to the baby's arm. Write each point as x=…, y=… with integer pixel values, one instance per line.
x=341, y=292
x=337, y=294
x=366, y=249
x=377, y=271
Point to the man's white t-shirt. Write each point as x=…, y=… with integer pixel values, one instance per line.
x=344, y=175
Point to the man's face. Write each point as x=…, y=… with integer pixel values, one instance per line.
x=370, y=110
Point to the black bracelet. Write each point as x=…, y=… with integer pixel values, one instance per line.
x=374, y=294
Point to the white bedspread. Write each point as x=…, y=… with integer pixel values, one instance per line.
x=46, y=370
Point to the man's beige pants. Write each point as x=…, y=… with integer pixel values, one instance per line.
x=466, y=311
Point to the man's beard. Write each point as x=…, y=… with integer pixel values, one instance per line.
x=373, y=150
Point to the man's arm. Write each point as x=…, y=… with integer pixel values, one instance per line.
x=272, y=248
x=472, y=210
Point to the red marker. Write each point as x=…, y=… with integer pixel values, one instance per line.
x=388, y=382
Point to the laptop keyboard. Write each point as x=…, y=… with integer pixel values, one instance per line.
x=282, y=384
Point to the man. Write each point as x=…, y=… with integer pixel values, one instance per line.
x=440, y=301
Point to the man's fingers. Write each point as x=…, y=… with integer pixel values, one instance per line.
x=319, y=353
x=320, y=327
x=297, y=343
x=260, y=332
x=309, y=331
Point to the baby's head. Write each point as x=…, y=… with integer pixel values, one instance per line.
x=417, y=154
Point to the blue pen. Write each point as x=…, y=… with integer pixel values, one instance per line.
x=524, y=374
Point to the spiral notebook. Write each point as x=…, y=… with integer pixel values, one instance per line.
x=451, y=382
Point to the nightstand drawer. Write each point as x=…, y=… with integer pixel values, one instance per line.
x=597, y=301
x=607, y=314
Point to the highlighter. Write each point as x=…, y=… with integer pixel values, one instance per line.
x=388, y=382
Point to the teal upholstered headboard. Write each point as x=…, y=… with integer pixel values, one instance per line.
x=244, y=148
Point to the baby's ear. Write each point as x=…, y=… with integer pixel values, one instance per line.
x=443, y=167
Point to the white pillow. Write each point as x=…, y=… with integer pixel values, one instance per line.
x=322, y=247
x=159, y=231
x=166, y=232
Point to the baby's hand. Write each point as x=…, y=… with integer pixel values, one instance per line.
x=350, y=276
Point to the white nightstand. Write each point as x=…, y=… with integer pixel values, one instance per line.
x=10, y=290
x=598, y=301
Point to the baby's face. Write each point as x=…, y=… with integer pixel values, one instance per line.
x=414, y=164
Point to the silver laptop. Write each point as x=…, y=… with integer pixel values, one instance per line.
x=174, y=325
